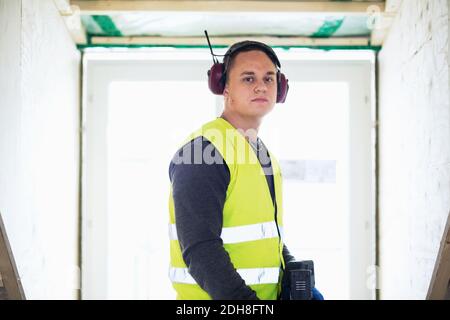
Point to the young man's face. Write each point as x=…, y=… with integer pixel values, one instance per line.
x=251, y=90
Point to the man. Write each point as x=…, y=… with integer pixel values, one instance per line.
x=226, y=196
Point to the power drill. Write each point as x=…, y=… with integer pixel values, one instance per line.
x=298, y=281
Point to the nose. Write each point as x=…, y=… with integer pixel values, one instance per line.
x=260, y=86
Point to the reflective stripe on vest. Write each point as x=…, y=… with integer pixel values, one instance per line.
x=250, y=276
x=251, y=232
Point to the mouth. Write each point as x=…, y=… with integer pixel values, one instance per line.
x=260, y=100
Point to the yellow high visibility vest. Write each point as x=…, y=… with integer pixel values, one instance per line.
x=250, y=232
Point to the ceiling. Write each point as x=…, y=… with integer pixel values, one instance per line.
x=292, y=23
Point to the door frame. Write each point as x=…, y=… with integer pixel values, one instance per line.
x=359, y=74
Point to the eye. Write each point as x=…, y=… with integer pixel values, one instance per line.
x=269, y=79
x=248, y=79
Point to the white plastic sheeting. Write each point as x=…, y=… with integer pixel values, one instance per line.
x=181, y=24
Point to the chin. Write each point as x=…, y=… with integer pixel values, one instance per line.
x=262, y=110
x=255, y=111
x=259, y=113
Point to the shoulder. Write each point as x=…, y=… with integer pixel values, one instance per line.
x=198, y=159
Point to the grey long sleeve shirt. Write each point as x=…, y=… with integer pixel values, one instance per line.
x=199, y=192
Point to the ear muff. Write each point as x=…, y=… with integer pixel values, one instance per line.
x=215, y=78
x=282, y=87
x=216, y=82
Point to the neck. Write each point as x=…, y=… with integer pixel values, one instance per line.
x=249, y=126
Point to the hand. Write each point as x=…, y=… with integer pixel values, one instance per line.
x=317, y=295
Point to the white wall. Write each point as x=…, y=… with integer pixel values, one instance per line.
x=414, y=147
x=39, y=103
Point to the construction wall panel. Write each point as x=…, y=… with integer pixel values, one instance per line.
x=39, y=115
x=414, y=137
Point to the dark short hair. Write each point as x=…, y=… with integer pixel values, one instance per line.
x=245, y=46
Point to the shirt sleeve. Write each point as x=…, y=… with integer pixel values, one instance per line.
x=199, y=192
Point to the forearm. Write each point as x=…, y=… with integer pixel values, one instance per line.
x=210, y=265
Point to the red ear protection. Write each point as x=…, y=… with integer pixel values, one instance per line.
x=282, y=87
x=216, y=81
x=217, y=73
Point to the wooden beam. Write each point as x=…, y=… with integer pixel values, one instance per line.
x=100, y=7
x=72, y=19
x=226, y=41
x=10, y=276
x=385, y=21
x=3, y=295
x=440, y=281
x=379, y=33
